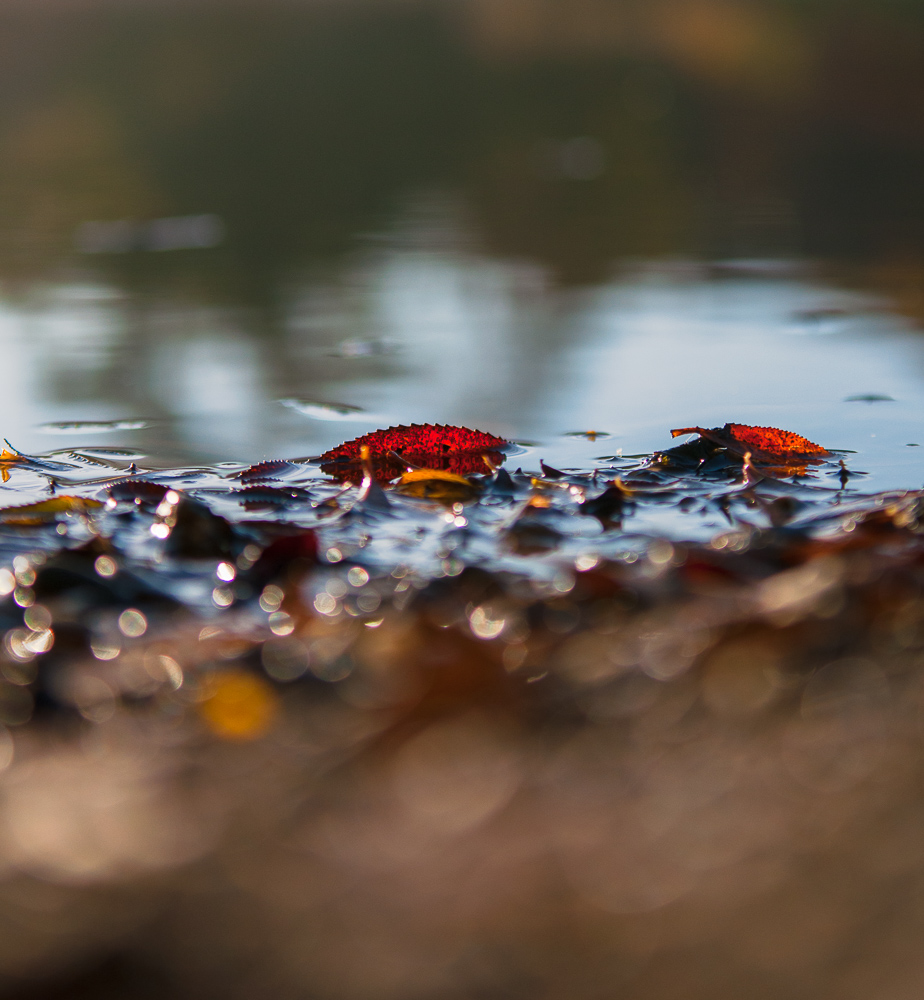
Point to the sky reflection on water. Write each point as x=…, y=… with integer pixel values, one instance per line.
x=413, y=335
x=453, y=213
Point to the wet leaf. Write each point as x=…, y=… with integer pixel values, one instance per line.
x=609, y=506
x=263, y=471
x=437, y=484
x=47, y=510
x=761, y=442
x=269, y=497
x=142, y=492
x=436, y=446
x=7, y=459
x=550, y=472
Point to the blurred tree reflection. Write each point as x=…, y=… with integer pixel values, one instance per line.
x=575, y=134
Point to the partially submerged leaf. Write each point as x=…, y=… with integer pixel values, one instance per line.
x=608, y=507
x=8, y=458
x=437, y=484
x=141, y=492
x=264, y=471
x=437, y=446
x=47, y=510
x=761, y=442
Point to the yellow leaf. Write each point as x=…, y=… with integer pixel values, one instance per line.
x=437, y=484
x=238, y=705
x=47, y=510
x=8, y=458
x=420, y=475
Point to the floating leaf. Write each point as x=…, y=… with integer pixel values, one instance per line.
x=608, y=507
x=138, y=491
x=437, y=446
x=437, y=484
x=761, y=442
x=268, y=497
x=590, y=435
x=8, y=458
x=263, y=471
x=417, y=439
x=47, y=510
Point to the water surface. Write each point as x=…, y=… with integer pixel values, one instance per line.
x=400, y=336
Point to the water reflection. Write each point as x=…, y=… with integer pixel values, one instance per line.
x=476, y=341
x=427, y=215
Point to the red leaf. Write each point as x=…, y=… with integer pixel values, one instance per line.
x=767, y=442
x=438, y=446
x=263, y=471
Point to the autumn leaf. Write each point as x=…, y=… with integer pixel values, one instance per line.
x=8, y=458
x=437, y=484
x=264, y=471
x=763, y=443
x=141, y=492
x=43, y=511
x=438, y=446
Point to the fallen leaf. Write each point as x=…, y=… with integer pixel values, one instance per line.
x=436, y=446
x=8, y=458
x=263, y=471
x=141, y=492
x=762, y=442
x=590, y=435
x=46, y=510
x=437, y=484
x=609, y=505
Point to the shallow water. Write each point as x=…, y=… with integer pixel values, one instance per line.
x=403, y=337
x=546, y=736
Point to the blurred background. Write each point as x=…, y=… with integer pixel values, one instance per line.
x=446, y=210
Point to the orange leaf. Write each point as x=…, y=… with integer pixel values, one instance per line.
x=761, y=442
x=437, y=484
x=8, y=458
